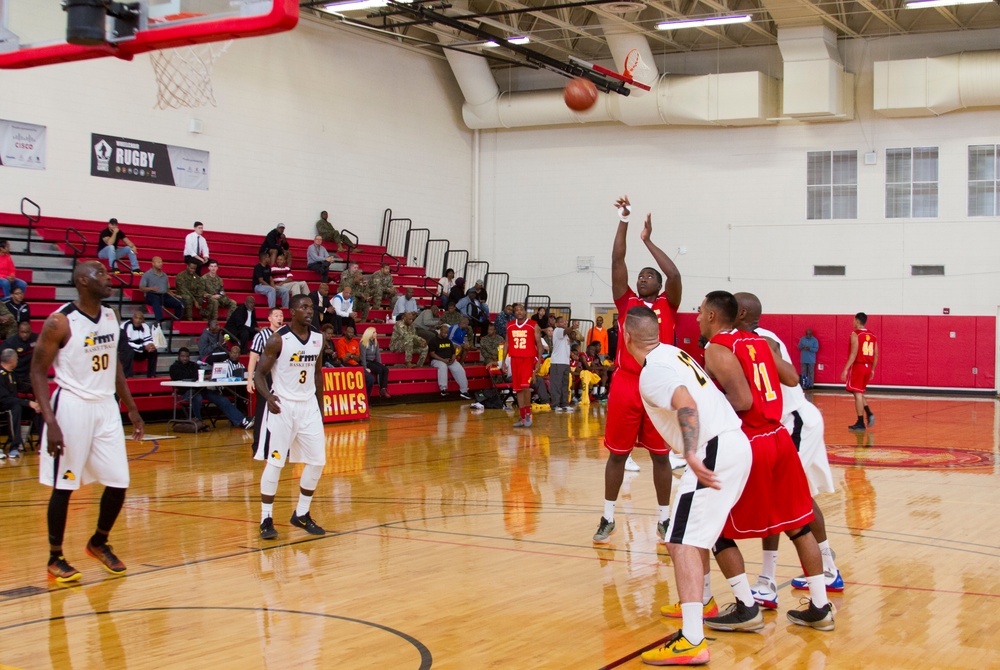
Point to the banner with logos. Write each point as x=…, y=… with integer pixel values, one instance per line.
x=344, y=395
x=148, y=162
x=22, y=145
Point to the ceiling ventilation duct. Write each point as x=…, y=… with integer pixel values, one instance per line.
x=934, y=86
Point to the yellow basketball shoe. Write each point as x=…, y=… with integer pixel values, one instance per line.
x=678, y=651
x=674, y=611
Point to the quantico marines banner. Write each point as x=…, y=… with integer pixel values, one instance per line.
x=148, y=162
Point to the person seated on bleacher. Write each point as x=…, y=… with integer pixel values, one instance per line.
x=322, y=306
x=318, y=259
x=489, y=346
x=215, y=294
x=330, y=234
x=405, y=303
x=196, y=247
x=186, y=370
x=481, y=294
x=155, y=285
x=460, y=334
x=108, y=249
x=190, y=289
x=212, y=344
x=7, y=325
x=8, y=273
x=406, y=341
x=349, y=348
x=427, y=322
x=236, y=370
x=594, y=361
x=451, y=314
x=380, y=286
x=276, y=243
x=352, y=277
x=445, y=284
x=541, y=317
x=355, y=279
x=282, y=275
x=138, y=337
x=23, y=343
x=477, y=312
x=330, y=359
x=457, y=292
x=503, y=317
x=19, y=408
x=444, y=359
x=371, y=358
x=242, y=323
x=263, y=283
x=17, y=307
x=343, y=311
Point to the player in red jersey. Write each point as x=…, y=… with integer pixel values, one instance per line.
x=776, y=497
x=860, y=369
x=628, y=423
x=524, y=341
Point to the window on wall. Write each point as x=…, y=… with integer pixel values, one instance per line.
x=911, y=182
x=832, y=185
x=983, y=180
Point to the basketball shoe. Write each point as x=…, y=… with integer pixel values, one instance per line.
x=267, y=529
x=678, y=651
x=108, y=560
x=62, y=571
x=820, y=618
x=737, y=617
x=674, y=611
x=604, y=531
x=306, y=523
x=834, y=582
x=631, y=465
x=765, y=593
x=661, y=531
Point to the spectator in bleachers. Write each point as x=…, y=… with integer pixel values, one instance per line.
x=426, y=322
x=598, y=334
x=7, y=325
x=505, y=316
x=380, y=286
x=457, y=291
x=264, y=284
x=196, y=247
x=318, y=259
x=445, y=284
x=343, y=311
x=22, y=342
x=322, y=306
x=325, y=230
x=184, y=369
x=352, y=277
x=451, y=315
x=8, y=273
x=282, y=275
x=481, y=294
x=215, y=294
x=155, y=285
x=405, y=340
x=138, y=337
x=234, y=368
x=190, y=289
x=212, y=344
x=108, y=249
x=541, y=317
x=477, y=312
x=330, y=359
x=405, y=303
x=10, y=401
x=613, y=338
x=444, y=358
x=276, y=243
x=594, y=361
x=371, y=358
x=242, y=323
x=489, y=346
x=17, y=307
x=461, y=336
x=349, y=348
x=559, y=369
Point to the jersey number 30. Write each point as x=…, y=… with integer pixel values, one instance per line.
x=98, y=363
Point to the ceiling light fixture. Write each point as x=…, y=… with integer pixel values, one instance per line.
x=512, y=40
x=356, y=5
x=920, y=4
x=697, y=23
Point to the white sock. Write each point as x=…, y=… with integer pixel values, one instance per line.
x=609, y=510
x=741, y=589
x=265, y=511
x=769, y=565
x=304, y=502
x=694, y=629
x=664, y=513
x=817, y=590
x=706, y=594
x=828, y=564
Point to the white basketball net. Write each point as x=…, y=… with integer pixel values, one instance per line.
x=184, y=75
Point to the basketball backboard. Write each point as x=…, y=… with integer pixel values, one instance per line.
x=33, y=32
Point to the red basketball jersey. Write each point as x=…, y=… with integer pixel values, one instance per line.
x=521, y=339
x=754, y=355
x=664, y=313
x=866, y=346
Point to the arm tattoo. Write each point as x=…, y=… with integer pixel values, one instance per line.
x=687, y=417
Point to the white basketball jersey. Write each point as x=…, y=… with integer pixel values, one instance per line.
x=667, y=368
x=793, y=397
x=87, y=365
x=293, y=376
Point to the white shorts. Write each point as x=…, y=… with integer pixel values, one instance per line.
x=296, y=435
x=93, y=444
x=805, y=425
x=699, y=513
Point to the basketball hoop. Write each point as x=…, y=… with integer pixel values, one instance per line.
x=184, y=75
x=631, y=61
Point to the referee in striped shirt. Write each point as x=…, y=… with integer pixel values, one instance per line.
x=275, y=319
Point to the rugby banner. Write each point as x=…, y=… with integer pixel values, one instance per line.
x=344, y=395
x=148, y=162
x=22, y=145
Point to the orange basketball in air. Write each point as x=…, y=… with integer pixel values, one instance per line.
x=580, y=94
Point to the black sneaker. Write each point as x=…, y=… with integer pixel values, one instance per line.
x=464, y=395
x=267, y=530
x=856, y=427
x=444, y=394
x=820, y=618
x=737, y=617
x=871, y=420
x=306, y=523
x=605, y=530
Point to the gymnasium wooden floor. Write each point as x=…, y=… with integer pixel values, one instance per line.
x=457, y=542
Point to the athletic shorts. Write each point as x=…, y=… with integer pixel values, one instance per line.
x=860, y=375
x=699, y=512
x=776, y=497
x=627, y=423
x=522, y=369
x=295, y=435
x=806, y=428
x=93, y=444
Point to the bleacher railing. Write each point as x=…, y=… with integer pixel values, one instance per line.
x=351, y=236
x=32, y=218
x=533, y=302
x=430, y=286
x=496, y=286
x=77, y=250
x=516, y=293
x=435, y=257
x=476, y=271
x=456, y=259
x=393, y=262
x=394, y=233
x=416, y=246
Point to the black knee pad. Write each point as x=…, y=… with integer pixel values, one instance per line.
x=61, y=495
x=804, y=531
x=722, y=544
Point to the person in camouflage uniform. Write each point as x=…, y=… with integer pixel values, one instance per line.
x=8, y=324
x=451, y=315
x=330, y=234
x=351, y=277
x=405, y=340
x=191, y=289
x=380, y=287
x=490, y=345
x=215, y=295
x=354, y=280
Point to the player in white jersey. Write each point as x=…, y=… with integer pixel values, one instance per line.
x=696, y=420
x=805, y=424
x=293, y=422
x=80, y=340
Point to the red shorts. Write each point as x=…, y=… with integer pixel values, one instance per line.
x=628, y=424
x=861, y=374
x=522, y=369
x=776, y=497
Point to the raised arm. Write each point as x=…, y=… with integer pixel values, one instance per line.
x=619, y=271
x=725, y=368
x=54, y=335
x=671, y=275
